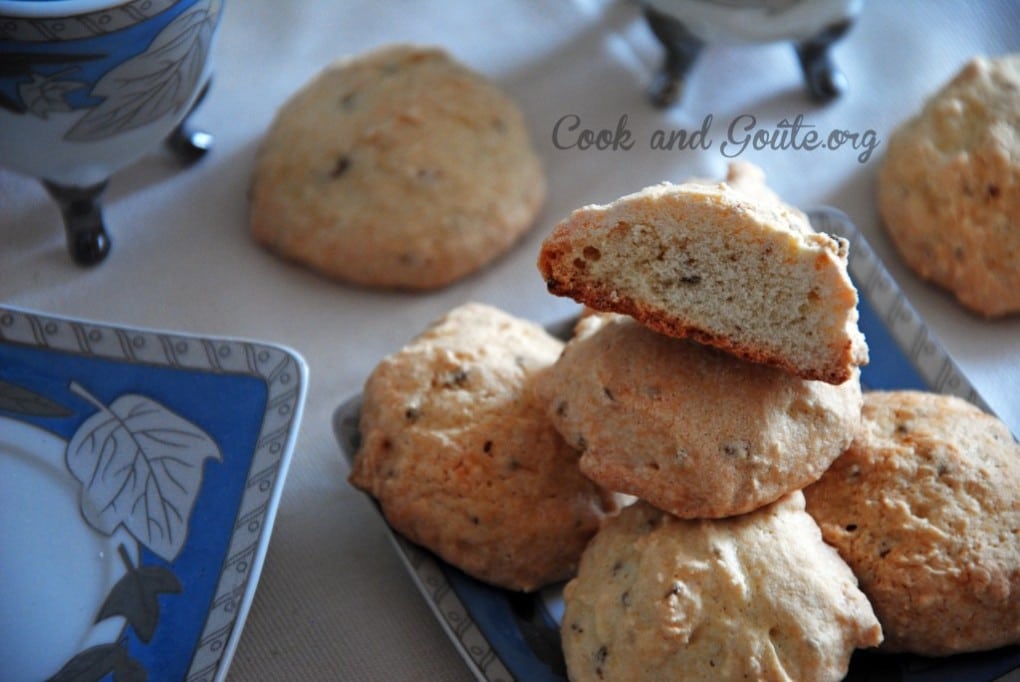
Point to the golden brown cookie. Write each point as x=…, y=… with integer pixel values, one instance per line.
x=399, y=167
x=752, y=597
x=695, y=431
x=949, y=188
x=462, y=460
x=728, y=265
x=925, y=508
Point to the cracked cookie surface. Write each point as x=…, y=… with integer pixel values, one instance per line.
x=462, y=459
x=758, y=596
x=925, y=508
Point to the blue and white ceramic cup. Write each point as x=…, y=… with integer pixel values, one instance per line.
x=89, y=86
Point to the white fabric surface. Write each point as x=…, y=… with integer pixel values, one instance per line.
x=333, y=601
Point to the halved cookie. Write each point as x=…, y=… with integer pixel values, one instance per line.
x=728, y=265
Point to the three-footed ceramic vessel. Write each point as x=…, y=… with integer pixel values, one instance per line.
x=685, y=27
x=89, y=86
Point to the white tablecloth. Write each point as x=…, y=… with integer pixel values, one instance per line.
x=333, y=601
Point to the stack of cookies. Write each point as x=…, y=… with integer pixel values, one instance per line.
x=716, y=377
x=721, y=371
x=699, y=460
x=785, y=518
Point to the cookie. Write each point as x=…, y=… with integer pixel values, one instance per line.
x=692, y=430
x=726, y=264
x=949, y=187
x=397, y=168
x=462, y=460
x=753, y=597
x=925, y=508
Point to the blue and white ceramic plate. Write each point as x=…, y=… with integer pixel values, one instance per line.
x=140, y=473
x=506, y=636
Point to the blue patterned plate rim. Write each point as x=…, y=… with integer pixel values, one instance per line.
x=151, y=463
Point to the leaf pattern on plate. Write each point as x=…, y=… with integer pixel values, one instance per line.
x=154, y=83
x=136, y=595
x=95, y=663
x=140, y=466
x=14, y=398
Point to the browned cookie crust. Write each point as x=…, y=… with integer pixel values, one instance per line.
x=694, y=431
x=728, y=265
x=462, y=459
x=752, y=597
x=396, y=168
x=949, y=189
x=925, y=507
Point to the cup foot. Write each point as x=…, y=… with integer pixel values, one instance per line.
x=186, y=143
x=80, y=207
x=189, y=145
x=824, y=82
x=88, y=248
x=682, y=49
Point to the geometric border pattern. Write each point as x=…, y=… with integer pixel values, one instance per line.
x=88, y=25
